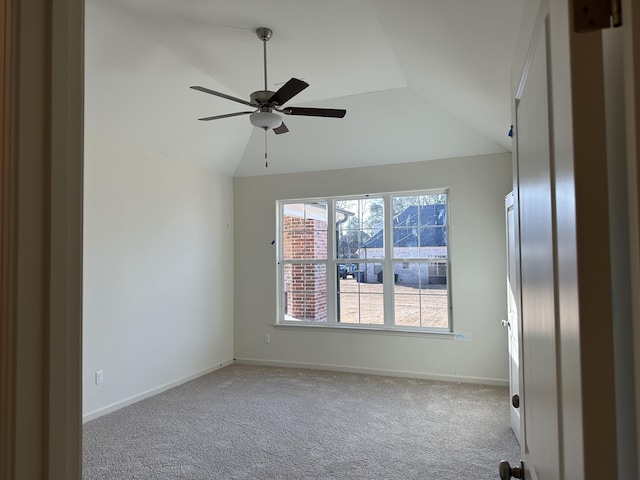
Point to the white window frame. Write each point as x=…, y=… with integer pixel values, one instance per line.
x=331, y=264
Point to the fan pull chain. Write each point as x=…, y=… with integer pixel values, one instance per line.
x=266, y=162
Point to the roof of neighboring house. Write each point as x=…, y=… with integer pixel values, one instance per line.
x=408, y=231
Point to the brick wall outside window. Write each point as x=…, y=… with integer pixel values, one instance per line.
x=305, y=284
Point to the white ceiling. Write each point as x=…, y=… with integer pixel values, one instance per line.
x=420, y=79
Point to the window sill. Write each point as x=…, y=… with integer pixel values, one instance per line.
x=370, y=329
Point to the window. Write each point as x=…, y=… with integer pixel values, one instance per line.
x=333, y=255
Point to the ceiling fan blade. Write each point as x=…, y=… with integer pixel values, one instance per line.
x=216, y=117
x=223, y=95
x=315, y=112
x=281, y=129
x=287, y=91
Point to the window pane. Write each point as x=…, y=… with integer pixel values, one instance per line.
x=371, y=309
x=292, y=213
x=407, y=309
x=347, y=269
x=349, y=241
x=419, y=226
x=373, y=244
x=315, y=244
x=293, y=247
x=405, y=242
x=400, y=204
x=305, y=292
x=437, y=273
x=359, y=225
x=433, y=242
x=305, y=231
x=305, y=211
x=359, y=298
x=360, y=309
x=434, y=307
x=432, y=211
x=420, y=294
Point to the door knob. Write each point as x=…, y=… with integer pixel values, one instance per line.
x=507, y=472
x=505, y=323
x=515, y=400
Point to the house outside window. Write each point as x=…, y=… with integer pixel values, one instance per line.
x=333, y=254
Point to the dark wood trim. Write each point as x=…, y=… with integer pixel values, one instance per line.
x=631, y=54
x=7, y=243
x=41, y=93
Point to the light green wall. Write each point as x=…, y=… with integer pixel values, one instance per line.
x=477, y=240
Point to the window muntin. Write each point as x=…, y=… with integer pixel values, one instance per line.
x=359, y=239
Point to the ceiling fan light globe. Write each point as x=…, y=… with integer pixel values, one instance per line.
x=265, y=120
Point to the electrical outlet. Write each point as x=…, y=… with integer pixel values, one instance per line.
x=99, y=377
x=267, y=338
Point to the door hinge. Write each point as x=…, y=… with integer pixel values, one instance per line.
x=591, y=15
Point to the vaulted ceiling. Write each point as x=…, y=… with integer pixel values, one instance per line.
x=420, y=79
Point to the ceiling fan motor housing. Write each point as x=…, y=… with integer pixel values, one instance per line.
x=261, y=97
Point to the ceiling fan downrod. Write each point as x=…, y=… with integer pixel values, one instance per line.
x=265, y=35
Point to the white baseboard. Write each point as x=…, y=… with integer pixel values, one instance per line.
x=375, y=371
x=276, y=363
x=150, y=393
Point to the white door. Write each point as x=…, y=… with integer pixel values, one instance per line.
x=511, y=323
x=567, y=401
x=540, y=440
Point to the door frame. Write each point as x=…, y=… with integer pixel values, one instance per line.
x=41, y=239
x=588, y=411
x=584, y=342
x=631, y=62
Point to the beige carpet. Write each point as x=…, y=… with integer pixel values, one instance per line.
x=264, y=423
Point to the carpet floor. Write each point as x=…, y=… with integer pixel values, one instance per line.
x=247, y=422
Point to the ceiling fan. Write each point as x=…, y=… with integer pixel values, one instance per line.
x=265, y=102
